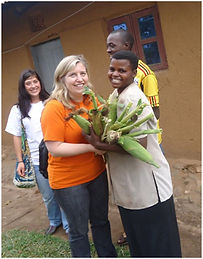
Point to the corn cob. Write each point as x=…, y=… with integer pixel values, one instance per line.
x=83, y=123
x=133, y=125
x=89, y=91
x=138, y=104
x=137, y=110
x=117, y=125
x=125, y=111
x=135, y=149
x=95, y=114
x=112, y=136
x=101, y=99
x=143, y=132
x=106, y=128
x=124, y=122
x=148, y=117
x=96, y=119
x=112, y=114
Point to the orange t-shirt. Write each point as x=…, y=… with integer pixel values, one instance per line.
x=68, y=171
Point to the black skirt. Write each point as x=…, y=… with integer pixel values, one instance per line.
x=153, y=231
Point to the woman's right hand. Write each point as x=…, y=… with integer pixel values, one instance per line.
x=17, y=146
x=21, y=169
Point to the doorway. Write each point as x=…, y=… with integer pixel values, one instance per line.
x=46, y=57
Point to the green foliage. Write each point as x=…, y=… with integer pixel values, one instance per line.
x=21, y=243
x=122, y=251
x=25, y=244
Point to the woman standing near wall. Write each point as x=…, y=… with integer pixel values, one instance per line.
x=77, y=175
x=31, y=97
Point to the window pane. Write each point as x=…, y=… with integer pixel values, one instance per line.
x=147, y=28
x=120, y=26
x=151, y=53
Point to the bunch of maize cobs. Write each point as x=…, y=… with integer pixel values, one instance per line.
x=103, y=119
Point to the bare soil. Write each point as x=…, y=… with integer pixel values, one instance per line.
x=24, y=208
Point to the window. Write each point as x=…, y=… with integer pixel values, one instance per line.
x=146, y=28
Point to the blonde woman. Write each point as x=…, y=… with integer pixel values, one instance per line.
x=77, y=176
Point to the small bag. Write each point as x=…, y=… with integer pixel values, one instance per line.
x=29, y=179
x=43, y=159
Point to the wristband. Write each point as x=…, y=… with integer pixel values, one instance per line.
x=20, y=161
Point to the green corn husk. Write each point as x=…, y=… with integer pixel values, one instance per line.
x=144, y=132
x=112, y=114
x=138, y=104
x=96, y=119
x=127, y=119
x=83, y=123
x=95, y=114
x=125, y=111
x=89, y=91
x=117, y=125
x=136, y=124
x=148, y=117
x=111, y=117
x=112, y=136
x=135, y=149
x=101, y=99
x=106, y=128
x=103, y=121
x=137, y=110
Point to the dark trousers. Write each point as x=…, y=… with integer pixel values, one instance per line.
x=152, y=232
x=88, y=201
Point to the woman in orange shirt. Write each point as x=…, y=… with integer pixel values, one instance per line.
x=76, y=175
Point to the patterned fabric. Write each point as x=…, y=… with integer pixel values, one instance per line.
x=154, y=101
x=29, y=179
x=147, y=82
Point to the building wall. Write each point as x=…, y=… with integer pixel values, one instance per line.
x=180, y=84
x=86, y=32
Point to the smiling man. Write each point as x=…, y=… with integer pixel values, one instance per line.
x=145, y=78
x=142, y=192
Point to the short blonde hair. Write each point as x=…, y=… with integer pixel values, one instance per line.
x=66, y=65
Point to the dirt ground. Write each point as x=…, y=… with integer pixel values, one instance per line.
x=24, y=208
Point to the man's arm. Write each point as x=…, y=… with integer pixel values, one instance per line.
x=150, y=89
x=156, y=112
x=95, y=141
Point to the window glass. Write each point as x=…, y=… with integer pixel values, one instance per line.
x=120, y=26
x=147, y=28
x=151, y=53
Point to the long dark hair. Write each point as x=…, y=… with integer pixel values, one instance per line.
x=24, y=99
